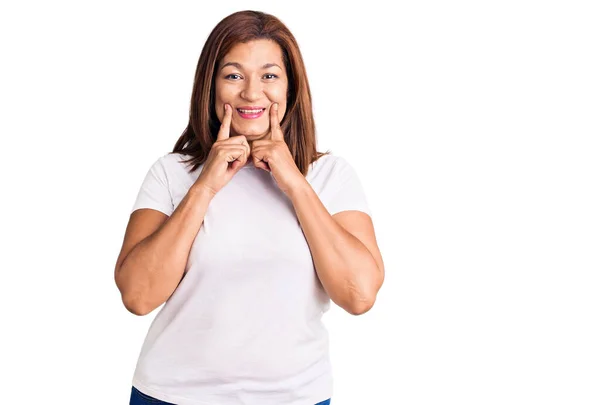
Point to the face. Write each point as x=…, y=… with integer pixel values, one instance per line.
x=251, y=77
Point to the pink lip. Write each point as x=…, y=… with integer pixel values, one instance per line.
x=250, y=116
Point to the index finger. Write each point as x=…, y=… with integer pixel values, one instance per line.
x=225, y=125
x=276, y=133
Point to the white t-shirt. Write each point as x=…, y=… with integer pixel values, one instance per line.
x=244, y=325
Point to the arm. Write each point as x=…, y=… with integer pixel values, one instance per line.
x=350, y=272
x=150, y=268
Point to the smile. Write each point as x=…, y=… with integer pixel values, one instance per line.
x=250, y=114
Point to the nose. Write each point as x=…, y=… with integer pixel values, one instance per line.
x=252, y=89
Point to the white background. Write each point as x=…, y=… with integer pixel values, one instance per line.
x=473, y=126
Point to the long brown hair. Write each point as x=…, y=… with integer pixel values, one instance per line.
x=298, y=124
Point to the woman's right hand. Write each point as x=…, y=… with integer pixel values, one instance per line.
x=217, y=172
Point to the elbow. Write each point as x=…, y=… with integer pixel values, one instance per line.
x=358, y=301
x=363, y=299
x=363, y=302
x=354, y=306
x=135, y=307
x=132, y=302
x=361, y=307
x=360, y=304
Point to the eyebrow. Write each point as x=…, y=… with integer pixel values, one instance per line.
x=239, y=66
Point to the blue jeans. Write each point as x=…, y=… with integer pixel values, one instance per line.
x=139, y=398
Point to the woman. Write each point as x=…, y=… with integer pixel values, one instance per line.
x=245, y=232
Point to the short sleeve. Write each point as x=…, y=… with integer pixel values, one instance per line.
x=154, y=192
x=344, y=191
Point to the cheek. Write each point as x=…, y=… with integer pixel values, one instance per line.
x=222, y=94
x=221, y=97
x=278, y=94
x=219, y=109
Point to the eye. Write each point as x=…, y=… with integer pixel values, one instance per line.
x=273, y=76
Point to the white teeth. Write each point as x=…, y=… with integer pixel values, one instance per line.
x=250, y=111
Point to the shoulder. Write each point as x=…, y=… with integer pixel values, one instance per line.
x=172, y=159
x=327, y=162
x=170, y=168
x=328, y=170
x=330, y=163
x=174, y=163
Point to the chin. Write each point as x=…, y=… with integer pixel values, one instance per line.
x=253, y=132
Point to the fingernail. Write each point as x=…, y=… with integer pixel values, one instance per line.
x=226, y=107
x=276, y=106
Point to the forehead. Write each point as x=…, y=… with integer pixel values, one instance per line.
x=254, y=54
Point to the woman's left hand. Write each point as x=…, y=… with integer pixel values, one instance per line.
x=273, y=155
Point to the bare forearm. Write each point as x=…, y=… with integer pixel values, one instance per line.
x=153, y=269
x=346, y=268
